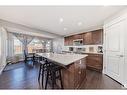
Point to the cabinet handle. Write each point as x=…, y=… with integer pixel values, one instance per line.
x=79, y=72
x=120, y=55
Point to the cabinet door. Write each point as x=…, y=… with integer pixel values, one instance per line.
x=87, y=38
x=66, y=41
x=77, y=36
x=77, y=72
x=95, y=61
x=80, y=72
x=70, y=40
x=97, y=37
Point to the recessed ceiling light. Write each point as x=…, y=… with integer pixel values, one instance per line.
x=65, y=29
x=61, y=19
x=79, y=23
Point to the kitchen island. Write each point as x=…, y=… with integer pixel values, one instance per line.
x=74, y=68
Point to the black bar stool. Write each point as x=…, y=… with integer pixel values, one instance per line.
x=42, y=69
x=53, y=72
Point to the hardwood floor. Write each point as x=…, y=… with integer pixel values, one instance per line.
x=96, y=80
x=25, y=77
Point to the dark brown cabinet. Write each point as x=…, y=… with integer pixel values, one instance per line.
x=77, y=36
x=89, y=38
x=95, y=61
x=68, y=41
x=74, y=74
x=97, y=37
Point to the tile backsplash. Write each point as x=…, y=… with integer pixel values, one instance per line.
x=91, y=49
x=85, y=48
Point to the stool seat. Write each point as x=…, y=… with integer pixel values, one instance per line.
x=54, y=67
x=42, y=62
x=54, y=72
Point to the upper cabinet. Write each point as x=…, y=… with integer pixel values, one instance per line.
x=65, y=41
x=97, y=37
x=68, y=41
x=89, y=38
x=77, y=36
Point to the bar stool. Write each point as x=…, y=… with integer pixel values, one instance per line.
x=52, y=71
x=42, y=69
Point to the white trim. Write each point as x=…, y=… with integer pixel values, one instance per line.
x=125, y=85
x=2, y=68
x=106, y=25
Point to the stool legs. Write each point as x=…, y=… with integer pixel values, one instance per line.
x=61, y=79
x=53, y=78
x=42, y=74
x=39, y=73
x=47, y=76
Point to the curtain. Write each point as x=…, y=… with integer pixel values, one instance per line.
x=3, y=48
x=25, y=39
x=10, y=44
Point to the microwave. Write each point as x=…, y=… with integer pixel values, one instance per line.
x=78, y=42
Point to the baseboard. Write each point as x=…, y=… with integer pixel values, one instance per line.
x=1, y=70
x=125, y=85
x=103, y=71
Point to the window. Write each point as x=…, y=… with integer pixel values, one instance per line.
x=17, y=46
x=48, y=46
x=39, y=46
x=35, y=46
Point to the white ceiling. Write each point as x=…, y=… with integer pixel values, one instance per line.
x=48, y=18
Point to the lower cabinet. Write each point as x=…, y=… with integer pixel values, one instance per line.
x=95, y=62
x=74, y=75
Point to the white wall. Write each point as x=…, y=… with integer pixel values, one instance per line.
x=58, y=45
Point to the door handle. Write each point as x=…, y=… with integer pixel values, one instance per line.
x=120, y=55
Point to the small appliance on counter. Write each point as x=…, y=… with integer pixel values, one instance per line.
x=71, y=49
x=100, y=49
x=80, y=50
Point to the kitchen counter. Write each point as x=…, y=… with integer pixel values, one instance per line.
x=82, y=52
x=91, y=53
x=63, y=59
x=74, y=68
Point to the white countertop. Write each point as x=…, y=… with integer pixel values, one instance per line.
x=85, y=52
x=63, y=59
x=92, y=53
